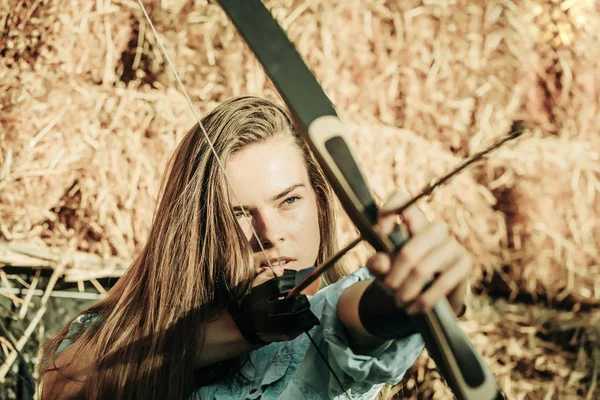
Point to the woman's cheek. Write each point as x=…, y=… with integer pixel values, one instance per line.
x=245, y=226
x=313, y=234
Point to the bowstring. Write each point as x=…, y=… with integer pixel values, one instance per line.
x=206, y=137
x=226, y=176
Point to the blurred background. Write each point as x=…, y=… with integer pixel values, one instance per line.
x=90, y=113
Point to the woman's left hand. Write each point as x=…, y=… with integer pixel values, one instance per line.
x=429, y=254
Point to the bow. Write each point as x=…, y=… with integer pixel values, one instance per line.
x=460, y=364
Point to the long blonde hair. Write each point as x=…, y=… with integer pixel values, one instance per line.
x=153, y=317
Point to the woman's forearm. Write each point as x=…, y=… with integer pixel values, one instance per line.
x=222, y=341
x=347, y=310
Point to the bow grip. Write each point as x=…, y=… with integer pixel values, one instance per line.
x=399, y=237
x=462, y=367
x=465, y=371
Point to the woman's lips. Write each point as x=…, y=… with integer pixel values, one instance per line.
x=278, y=262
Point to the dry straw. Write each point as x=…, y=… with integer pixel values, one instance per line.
x=550, y=192
x=89, y=115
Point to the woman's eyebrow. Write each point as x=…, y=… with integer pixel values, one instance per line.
x=287, y=191
x=238, y=208
x=278, y=196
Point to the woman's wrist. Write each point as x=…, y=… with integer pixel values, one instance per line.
x=347, y=310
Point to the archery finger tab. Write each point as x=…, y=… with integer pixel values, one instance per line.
x=290, y=306
x=286, y=281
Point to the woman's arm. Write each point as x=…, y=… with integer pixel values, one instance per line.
x=66, y=377
x=361, y=362
x=347, y=310
x=222, y=341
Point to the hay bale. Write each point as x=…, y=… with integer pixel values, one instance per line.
x=404, y=66
x=567, y=58
x=549, y=189
x=41, y=155
x=28, y=28
x=89, y=167
x=92, y=38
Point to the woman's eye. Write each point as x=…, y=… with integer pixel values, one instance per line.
x=238, y=214
x=291, y=200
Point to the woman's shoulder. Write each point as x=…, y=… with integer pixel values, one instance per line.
x=76, y=328
x=84, y=321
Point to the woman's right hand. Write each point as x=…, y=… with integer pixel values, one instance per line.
x=266, y=315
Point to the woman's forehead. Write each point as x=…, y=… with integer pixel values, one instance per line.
x=262, y=170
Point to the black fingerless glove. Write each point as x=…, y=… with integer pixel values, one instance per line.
x=266, y=310
x=380, y=317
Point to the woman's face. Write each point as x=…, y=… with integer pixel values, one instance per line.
x=273, y=187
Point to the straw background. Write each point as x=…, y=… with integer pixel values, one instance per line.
x=90, y=113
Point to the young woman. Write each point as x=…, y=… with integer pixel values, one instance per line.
x=200, y=313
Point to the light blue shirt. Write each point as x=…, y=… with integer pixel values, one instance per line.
x=294, y=369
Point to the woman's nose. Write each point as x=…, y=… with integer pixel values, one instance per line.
x=269, y=230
